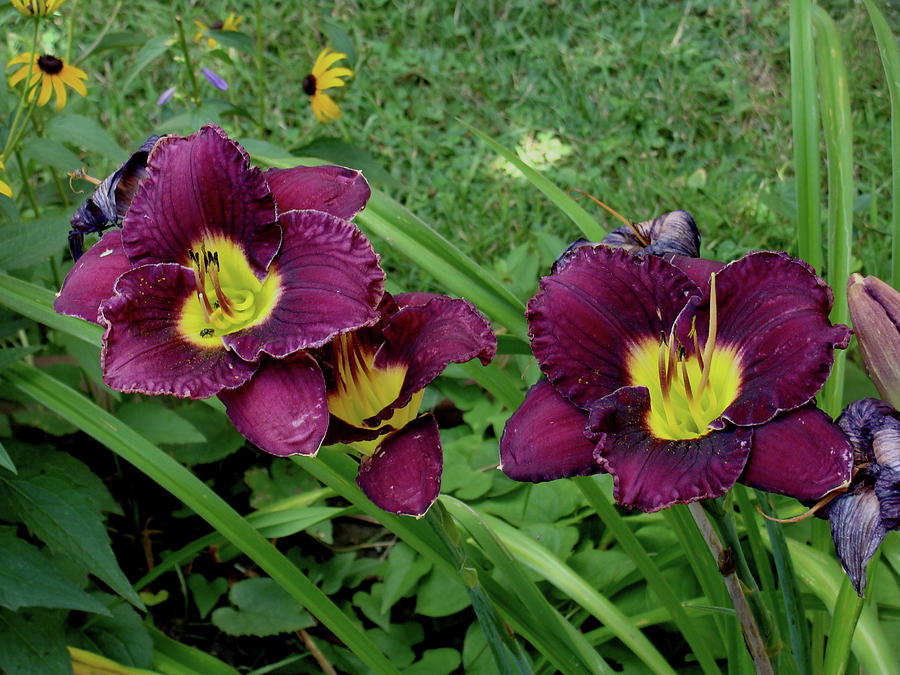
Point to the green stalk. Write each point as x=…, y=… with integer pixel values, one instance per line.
x=260, y=82
x=14, y=130
x=890, y=59
x=630, y=544
x=172, y=476
x=188, y=64
x=790, y=589
x=805, y=122
x=838, y=127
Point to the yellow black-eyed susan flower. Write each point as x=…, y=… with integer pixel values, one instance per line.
x=231, y=22
x=37, y=7
x=5, y=190
x=323, y=77
x=52, y=73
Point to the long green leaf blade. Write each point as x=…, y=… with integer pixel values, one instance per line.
x=131, y=446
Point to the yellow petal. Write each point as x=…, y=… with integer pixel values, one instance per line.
x=46, y=90
x=22, y=58
x=74, y=80
x=325, y=61
x=329, y=108
x=5, y=190
x=18, y=76
x=60, y=88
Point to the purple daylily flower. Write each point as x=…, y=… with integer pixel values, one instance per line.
x=223, y=276
x=678, y=385
x=870, y=508
x=375, y=377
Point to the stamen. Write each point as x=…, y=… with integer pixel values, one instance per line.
x=199, y=279
x=696, y=338
x=665, y=379
x=641, y=238
x=212, y=268
x=711, y=335
x=818, y=506
x=693, y=403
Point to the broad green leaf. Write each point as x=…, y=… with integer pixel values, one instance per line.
x=440, y=595
x=51, y=153
x=27, y=243
x=222, y=439
x=206, y=593
x=157, y=423
x=171, y=656
x=86, y=133
x=121, y=637
x=397, y=643
x=29, y=579
x=263, y=608
x=441, y=661
x=370, y=604
x=32, y=642
x=404, y=570
x=66, y=517
x=153, y=48
x=269, y=153
x=233, y=38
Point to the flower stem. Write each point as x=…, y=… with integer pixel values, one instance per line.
x=28, y=189
x=752, y=636
x=260, y=82
x=188, y=64
x=14, y=129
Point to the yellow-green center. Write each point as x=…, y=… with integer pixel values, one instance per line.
x=686, y=392
x=228, y=297
x=362, y=390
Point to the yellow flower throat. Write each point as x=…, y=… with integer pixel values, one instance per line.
x=228, y=296
x=686, y=392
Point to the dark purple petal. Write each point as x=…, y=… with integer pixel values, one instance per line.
x=91, y=279
x=887, y=489
x=857, y=531
x=336, y=190
x=592, y=312
x=426, y=338
x=697, y=269
x=801, y=454
x=544, y=439
x=416, y=298
x=331, y=284
x=143, y=351
x=651, y=473
x=404, y=474
x=340, y=431
x=773, y=310
x=860, y=420
x=282, y=409
x=200, y=187
x=875, y=312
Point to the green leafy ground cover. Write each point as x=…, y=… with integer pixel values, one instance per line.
x=649, y=107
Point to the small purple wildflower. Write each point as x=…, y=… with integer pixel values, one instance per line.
x=166, y=96
x=214, y=79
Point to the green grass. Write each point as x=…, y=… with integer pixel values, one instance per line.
x=649, y=108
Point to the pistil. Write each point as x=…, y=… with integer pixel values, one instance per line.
x=711, y=333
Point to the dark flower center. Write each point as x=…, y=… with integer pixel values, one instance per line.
x=217, y=25
x=309, y=85
x=50, y=64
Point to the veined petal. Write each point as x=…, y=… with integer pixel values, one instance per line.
x=92, y=278
x=143, y=350
x=697, y=269
x=801, y=454
x=875, y=311
x=857, y=531
x=651, y=474
x=404, y=474
x=330, y=284
x=591, y=314
x=282, y=409
x=773, y=312
x=544, y=439
x=426, y=339
x=332, y=189
x=200, y=187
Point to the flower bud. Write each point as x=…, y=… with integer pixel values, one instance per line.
x=875, y=312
